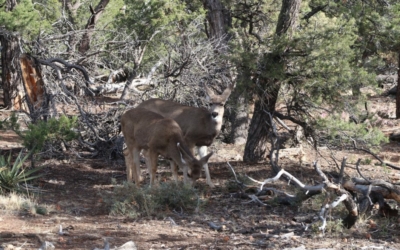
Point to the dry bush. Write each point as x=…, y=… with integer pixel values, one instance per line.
x=131, y=201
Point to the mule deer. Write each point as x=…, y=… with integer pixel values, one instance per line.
x=156, y=135
x=199, y=125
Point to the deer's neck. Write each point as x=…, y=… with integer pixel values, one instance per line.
x=217, y=123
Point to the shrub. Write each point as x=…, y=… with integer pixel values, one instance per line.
x=128, y=200
x=342, y=133
x=51, y=131
x=21, y=203
x=12, y=175
x=37, y=135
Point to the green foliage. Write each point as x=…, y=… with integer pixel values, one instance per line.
x=128, y=200
x=49, y=131
x=11, y=123
x=340, y=133
x=147, y=17
x=82, y=14
x=107, y=20
x=29, y=19
x=12, y=175
x=366, y=161
x=318, y=61
x=328, y=70
x=150, y=24
x=233, y=186
x=37, y=135
x=34, y=209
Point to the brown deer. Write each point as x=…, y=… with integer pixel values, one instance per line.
x=200, y=126
x=157, y=135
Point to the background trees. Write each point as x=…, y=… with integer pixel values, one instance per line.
x=303, y=55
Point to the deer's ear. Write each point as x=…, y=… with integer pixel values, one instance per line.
x=227, y=92
x=206, y=158
x=209, y=93
x=183, y=152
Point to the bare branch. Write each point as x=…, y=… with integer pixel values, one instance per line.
x=376, y=157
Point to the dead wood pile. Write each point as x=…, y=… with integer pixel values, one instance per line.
x=358, y=194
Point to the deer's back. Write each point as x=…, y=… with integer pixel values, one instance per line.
x=168, y=108
x=149, y=130
x=194, y=122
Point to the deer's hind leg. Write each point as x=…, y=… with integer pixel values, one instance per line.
x=129, y=164
x=136, y=166
x=174, y=170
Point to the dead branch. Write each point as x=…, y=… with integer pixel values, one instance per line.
x=331, y=188
x=376, y=157
x=275, y=145
x=291, y=178
x=68, y=67
x=342, y=169
x=283, y=124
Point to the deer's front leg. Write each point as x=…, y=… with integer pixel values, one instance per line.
x=151, y=162
x=186, y=178
x=202, y=151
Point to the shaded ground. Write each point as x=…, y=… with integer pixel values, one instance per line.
x=75, y=190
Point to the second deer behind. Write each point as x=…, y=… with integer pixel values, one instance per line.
x=200, y=126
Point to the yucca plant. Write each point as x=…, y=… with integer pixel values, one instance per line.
x=12, y=175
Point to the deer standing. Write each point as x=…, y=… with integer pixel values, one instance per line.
x=199, y=125
x=157, y=135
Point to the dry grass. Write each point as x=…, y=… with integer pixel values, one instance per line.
x=13, y=202
x=16, y=203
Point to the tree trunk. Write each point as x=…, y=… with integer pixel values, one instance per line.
x=35, y=93
x=219, y=20
x=398, y=90
x=10, y=5
x=256, y=144
x=96, y=13
x=239, y=118
x=10, y=77
x=255, y=149
x=11, y=82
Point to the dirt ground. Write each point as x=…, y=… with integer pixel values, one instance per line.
x=75, y=189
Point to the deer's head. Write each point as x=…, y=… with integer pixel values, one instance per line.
x=217, y=102
x=194, y=165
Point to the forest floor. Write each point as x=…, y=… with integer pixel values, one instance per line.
x=74, y=189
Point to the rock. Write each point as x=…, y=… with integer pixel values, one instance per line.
x=130, y=245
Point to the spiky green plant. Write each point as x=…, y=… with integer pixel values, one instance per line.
x=12, y=175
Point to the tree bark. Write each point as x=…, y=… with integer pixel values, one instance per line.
x=239, y=118
x=256, y=144
x=35, y=93
x=11, y=82
x=10, y=77
x=219, y=20
x=255, y=149
x=398, y=90
x=10, y=5
x=84, y=44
